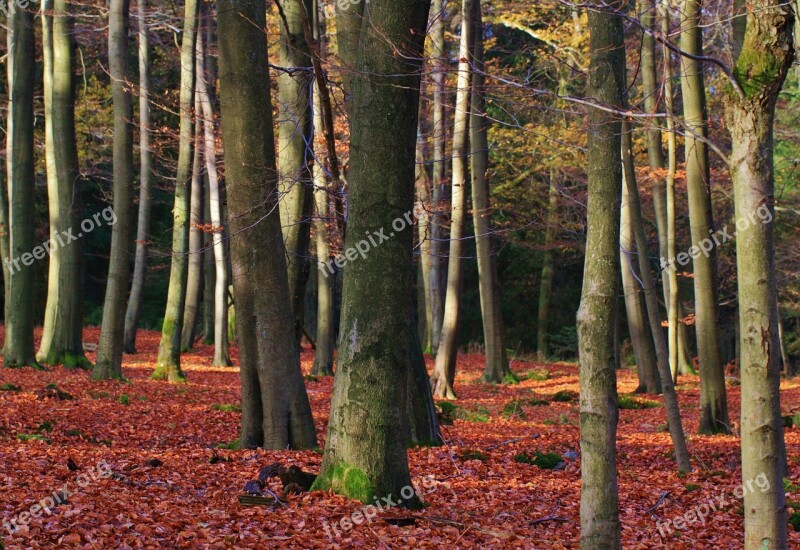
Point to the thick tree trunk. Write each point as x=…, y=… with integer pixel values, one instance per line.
x=220, y=297
x=760, y=70
x=18, y=350
x=600, y=527
x=497, y=369
x=276, y=413
x=294, y=150
x=112, y=332
x=168, y=366
x=145, y=167
x=444, y=372
x=437, y=265
x=369, y=428
x=713, y=399
x=62, y=335
x=548, y=272
x=194, y=277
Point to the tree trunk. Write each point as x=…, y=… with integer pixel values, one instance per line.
x=62, y=335
x=497, y=369
x=713, y=399
x=194, y=277
x=18, y=350
x=760, y=71
x=220, y=331
x=145, y=167
x=369, y=428
x=168, y=366
x=439, y=130
x=548, y=272
x=600, y=527
x=112, y=332
x=275, y=409
x=444, y=372
x=294, y=150
x=423, y=207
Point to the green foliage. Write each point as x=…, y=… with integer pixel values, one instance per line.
x=448, y=412
x=94, y=394
x=226, y=408
x=539, y=375
x=10, y=387
x=472, y=454
x=565, y=396
x=564, y=343
x=633, y=402
x=346, y=480
x=46, y=426
x=32, y=437
x=513, y=409
x=545, y=461
x=233, y=445
x=124, y=399
x=794, y=515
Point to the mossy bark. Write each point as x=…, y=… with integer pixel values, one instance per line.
x=379, y=353
x=18, y=350
x=600, y=526
x=168, y=366
x=112, y=332
x=766, y=55
x=276, y=413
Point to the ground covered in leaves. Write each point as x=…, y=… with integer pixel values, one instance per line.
x=146, y=466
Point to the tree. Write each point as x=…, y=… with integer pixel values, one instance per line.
x=713, y=399
x=294, y=149
x=276, y=413
x=18, y=350
x=112, y=332
x=62, y=335
x=760, y=70
x=548, y=271
x=497, y=369
x=371, y=419
x=444, y=371
x=169, y=351
x=145, y=167
x=599, y=413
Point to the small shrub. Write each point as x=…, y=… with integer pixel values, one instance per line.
x=10, y=387
x=124, y=399
x=46, y=426
x=545, y=461
x=513, y=409
x=32, y=437
x=470, y=454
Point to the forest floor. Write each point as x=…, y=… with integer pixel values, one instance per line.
x=165, y=492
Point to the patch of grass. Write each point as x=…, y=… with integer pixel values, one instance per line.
x=124, y=399
x=46, y=426
x=545, y=461
x=471, y=454
x=631, y=402
x=691, y=487
x=10, y=387
x=794, y=516
x=233, y=445
x=513, y=409
x=74, y=432
x=536, y=402
x=562, y=420
x=226, y=408
x=538, y=375
x=565, y=396
x=449, y=412
x=51, y=386
x=32, y=437
x=662, y=428
x=790, y=421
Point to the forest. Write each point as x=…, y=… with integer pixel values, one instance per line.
x=400, y=274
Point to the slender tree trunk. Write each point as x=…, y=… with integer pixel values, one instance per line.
x=112, y=332
x=209, y=277
x=497, y=369
x=194, y=277
x=294, y=150
x=713, y=400
x=439, y=131
x=423, y=207
x=444, y=372
x=548, y=272
x=760, y=71
x=168, y=366
x=276, y=413
x=145, y=167
x=204, y=86
x=600, y=527
x=18, y=350
x=380, y=352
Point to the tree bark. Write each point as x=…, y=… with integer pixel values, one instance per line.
x=497, y=369
x=444, y=372
x=18, y=350
x=62, y=335
x=767, y=53
x=548, y=272
x=713, y=399
x=112, y=332
x=145, y=168
x=371, y=420
x=276, y=413
x=599, y=413
x=168, y=366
